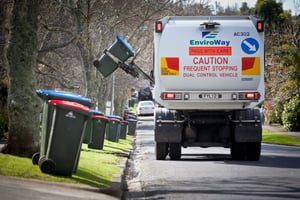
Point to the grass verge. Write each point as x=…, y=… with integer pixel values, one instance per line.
x=96, y=167
x=278, y=138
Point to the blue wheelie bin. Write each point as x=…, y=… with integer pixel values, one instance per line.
x=63, y=95
x=65, y=137
x=47, y=95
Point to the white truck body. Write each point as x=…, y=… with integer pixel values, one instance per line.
x=209, y=77
x=209, y=66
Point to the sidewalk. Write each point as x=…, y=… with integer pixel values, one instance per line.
x=279, y=129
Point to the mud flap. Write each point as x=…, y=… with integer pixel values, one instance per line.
x=247, y=126
x=168, y=129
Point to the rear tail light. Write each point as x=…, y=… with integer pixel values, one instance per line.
x=171, y=96
x=249, y=96
x=158, y=26
x=260, y=26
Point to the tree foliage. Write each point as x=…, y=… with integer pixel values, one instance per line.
x=282, y=58
x=271, y=11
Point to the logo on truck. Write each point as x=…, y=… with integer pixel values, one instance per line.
x=209, y=34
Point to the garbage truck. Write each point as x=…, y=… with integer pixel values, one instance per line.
x=209, y=80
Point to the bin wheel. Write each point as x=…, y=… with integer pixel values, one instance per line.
x=41, y=160
x=48, y=166
x=91, y=145
x=35, y=158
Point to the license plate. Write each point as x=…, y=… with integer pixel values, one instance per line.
x=210, y=96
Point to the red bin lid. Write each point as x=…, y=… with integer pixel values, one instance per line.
x=114, y=119
x=99, y=117
x=69, y=104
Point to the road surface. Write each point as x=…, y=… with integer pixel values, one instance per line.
x=28, y=189
x=210, y=173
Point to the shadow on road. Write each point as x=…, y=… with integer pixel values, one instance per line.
x=205, y=157
x=275, y=161
x=228, y=189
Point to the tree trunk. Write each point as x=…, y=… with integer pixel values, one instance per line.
x=23, y=103
x=84, y=17
x=103, y=93
x=5, y=11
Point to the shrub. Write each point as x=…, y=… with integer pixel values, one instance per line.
x=270, y=112
x=291, y=114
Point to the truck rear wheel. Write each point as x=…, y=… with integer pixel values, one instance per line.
x=161, y=151
x=175, y=151
x=246, y=151
x=253, y=151
x=238, y=151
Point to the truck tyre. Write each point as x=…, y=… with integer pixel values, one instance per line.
x=175, y=151
x=253, y=151
x=161, y=151
x=238, y=151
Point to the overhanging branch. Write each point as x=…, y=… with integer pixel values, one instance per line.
x=58, y=46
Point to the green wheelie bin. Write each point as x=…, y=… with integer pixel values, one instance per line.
x=98, y=127
x=113, y=128
x=131, y=126
x=47, y=113
x=123, y=130
x=88, y=131
x=66, y=133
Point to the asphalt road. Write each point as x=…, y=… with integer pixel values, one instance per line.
x=210, y=173
x=25, y=189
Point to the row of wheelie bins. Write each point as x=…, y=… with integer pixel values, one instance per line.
x=111, y=127
x=67, y=121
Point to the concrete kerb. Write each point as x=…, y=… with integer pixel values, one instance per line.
x=128, y=173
